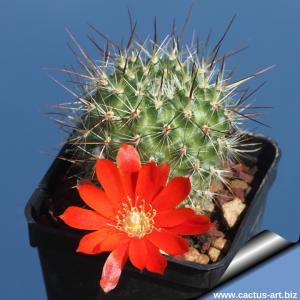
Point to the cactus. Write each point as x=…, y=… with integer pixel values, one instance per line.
x=172, y=103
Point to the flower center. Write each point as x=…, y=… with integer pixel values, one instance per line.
x=136, y=221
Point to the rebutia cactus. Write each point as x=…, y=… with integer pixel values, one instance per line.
x=173, y=104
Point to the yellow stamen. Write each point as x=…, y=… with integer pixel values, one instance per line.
x=136, y=220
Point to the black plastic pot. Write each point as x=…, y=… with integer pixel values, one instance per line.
x=72, y=276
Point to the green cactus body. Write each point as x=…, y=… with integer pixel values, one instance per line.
x=173, y=105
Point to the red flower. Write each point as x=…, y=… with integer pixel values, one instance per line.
x=135, y=216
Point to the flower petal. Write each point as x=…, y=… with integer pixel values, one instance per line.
x=173, y=194
x=113, y=241
x=168, y=242
x=173, y=217
x=198, y=225
x=82, y=218
x=151, y=180
x=138, y=253
x=145, y=182
x=156, y=262
x=128, y=182
x=190, y=229
x=95, y=198
x=109, y=177
x=163, y=171
x=112, y=268
x=89, y=243
x=128, y=159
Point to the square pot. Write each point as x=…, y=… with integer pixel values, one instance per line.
x=75, y=276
